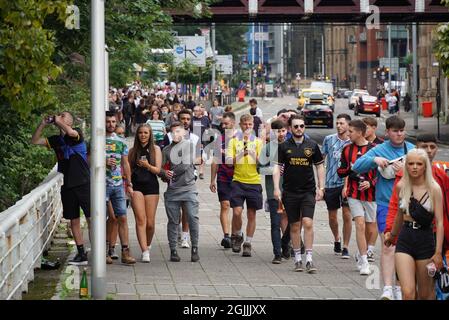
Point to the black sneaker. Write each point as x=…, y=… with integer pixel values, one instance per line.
x=298, y=266
x=337, y=247
x=276, y=260
x=345, y=254
x=79, y=260
x=310, y=268
x=226, y=242
x=285, y=252
x=174, y=256
x=236, y=243
x=246, y=249
x=195, y=257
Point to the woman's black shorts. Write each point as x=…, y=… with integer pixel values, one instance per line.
x=418, y=243
x=147, y=188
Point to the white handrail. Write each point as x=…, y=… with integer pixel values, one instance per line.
x=26, y=230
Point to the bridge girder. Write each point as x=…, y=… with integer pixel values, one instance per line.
x=349, y=11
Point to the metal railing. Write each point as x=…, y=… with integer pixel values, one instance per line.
x=26, y=231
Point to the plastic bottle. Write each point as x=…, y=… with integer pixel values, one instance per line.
x=84, y=290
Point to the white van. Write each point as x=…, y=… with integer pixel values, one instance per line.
x=326, y=87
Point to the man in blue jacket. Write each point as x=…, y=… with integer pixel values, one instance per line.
x=388, y=159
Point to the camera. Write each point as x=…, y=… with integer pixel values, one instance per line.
x=50, y=119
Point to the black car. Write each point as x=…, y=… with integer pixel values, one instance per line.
x=318, y=115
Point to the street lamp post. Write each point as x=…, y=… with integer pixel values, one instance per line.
x=98, y=166
x=438, y=98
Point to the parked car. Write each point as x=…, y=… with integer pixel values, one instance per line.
x=367, y=104
x=355, y=97
x=305, y=95
x=347, y=94
x=318, y=115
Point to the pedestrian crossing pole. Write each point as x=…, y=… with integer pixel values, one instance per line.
x=415, y=76
x=97, y=160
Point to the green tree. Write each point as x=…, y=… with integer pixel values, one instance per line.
x=26, y=50
x=442, y=44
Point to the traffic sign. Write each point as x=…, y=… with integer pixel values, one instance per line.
x=192, y=49
x=224, y=63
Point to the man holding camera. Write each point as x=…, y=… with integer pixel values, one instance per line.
x=71, y=152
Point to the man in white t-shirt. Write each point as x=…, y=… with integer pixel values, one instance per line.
x=391, y=100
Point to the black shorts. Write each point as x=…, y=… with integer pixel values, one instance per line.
x=224, y=190
x=75, y=198
x=299, y=205
x=252, y=193
x=147, y=188
x=333, y=198
x=418, y=243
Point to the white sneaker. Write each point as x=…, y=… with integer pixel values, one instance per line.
x=185, y=243
x=365, y=269
x=146, y=256
x=397, y=293
x=387, y=293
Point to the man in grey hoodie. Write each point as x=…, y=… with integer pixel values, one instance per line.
x=179, y=172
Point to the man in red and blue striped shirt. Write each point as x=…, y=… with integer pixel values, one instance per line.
x=359, y=189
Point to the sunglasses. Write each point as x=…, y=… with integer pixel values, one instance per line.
x=296, y=126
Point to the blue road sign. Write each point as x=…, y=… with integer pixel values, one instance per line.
x=199, y=50
x=179, y=50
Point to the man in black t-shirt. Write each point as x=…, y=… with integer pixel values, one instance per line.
x=71, y=152
x=298, y=155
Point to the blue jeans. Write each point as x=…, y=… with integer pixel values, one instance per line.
x=276, y=239
x=116, y=194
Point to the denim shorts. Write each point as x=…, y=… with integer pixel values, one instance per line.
x=116, y=194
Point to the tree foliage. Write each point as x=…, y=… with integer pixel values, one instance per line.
x=442, y=44
x=26, y=50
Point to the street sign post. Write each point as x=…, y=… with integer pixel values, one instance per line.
x=192, y=49
x=224, y=63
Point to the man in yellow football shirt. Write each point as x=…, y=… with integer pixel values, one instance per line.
x=243, y=152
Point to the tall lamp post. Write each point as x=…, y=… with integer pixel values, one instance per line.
x=438, y=98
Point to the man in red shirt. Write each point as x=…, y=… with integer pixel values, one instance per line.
x=428, y=143
x=359, y=188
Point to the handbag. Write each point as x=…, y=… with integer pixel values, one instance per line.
x=419, y=213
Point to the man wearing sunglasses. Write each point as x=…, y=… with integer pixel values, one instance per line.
x=298, y=155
